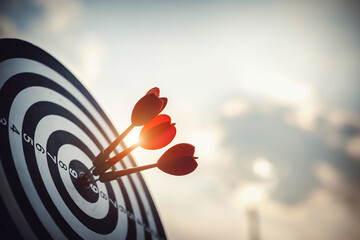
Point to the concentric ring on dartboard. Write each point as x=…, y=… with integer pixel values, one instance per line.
x=38, y=111
x=23, y=68
x=41, y=111
x=39, y=95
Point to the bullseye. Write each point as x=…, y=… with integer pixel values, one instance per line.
x=83, y=189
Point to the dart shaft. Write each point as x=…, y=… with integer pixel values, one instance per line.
x=117, y=141
x=112, y=161
x=93, y=181
x=106, y=177
x=86, y=174
x=100, y=159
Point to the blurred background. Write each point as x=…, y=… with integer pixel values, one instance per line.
x=267, y=91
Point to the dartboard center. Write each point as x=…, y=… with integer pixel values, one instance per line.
x=81, y=184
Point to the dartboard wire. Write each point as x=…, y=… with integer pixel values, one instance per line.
x=68, y=75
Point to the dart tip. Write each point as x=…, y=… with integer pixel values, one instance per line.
x=84, y=180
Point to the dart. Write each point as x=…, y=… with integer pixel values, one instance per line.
x=179, y=160
x=154, y=135
x=146, y=109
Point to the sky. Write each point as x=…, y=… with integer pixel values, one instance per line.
x=267, y=92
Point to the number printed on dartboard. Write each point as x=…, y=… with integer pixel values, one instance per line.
x=50, y=131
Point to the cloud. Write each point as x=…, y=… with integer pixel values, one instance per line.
x=304, y=116
x=234, y=108
x=268, y=135
x=327, y=175
x=292, y=151
x=278, y=87
x=7, y=27
x=58, y=16
x=56, y=26
x=320, y=216
x=89, y=61
x=353, y=147
x=340, y=129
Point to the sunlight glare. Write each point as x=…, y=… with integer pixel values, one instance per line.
x=132, y=137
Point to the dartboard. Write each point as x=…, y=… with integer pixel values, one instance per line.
x=51, y=129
